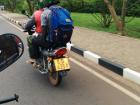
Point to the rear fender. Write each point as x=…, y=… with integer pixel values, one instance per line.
x=63, y=73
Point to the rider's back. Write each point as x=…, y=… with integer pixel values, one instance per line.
x=37, y=15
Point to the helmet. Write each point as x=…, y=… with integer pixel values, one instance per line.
x=51, y=1
x=43, y=3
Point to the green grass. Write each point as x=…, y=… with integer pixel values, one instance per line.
x=88, y=21
x=133, y=28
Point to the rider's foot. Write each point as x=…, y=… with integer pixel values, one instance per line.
x=36, y=65
x=30, y=61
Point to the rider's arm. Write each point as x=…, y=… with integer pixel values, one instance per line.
x=30, y=24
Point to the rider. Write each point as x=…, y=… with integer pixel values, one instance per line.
x=35, y=20
x=45, y=14
x=44, y=23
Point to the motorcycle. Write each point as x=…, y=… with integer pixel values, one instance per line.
x=11, y=49
x=54, y=62
x=7, y=100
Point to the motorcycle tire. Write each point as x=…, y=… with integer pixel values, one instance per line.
x=54, y=78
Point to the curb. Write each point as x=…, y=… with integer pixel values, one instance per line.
x=114, y=67
x=12, y=20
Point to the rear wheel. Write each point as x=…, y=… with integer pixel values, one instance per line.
x=54, y=78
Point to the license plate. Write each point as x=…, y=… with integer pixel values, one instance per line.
x=61, y=64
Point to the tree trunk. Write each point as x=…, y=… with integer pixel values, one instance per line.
x=113, y=3
x=30, y=6
x=123, y=15
x=123, y=12
x=114, y=15
x=10, y=6
x=82, y=3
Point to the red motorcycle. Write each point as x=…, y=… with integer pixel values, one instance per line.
x=53, y=61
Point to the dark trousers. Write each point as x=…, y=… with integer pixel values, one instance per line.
x=34, y=43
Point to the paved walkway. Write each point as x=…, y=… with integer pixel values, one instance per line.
x=119, y=49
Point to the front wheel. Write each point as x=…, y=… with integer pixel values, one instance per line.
x=54, y=78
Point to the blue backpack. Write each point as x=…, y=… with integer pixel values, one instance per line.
x=60, y=25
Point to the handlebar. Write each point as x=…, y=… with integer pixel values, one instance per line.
x=30, y=32
x=14, y=98
x=25, y=31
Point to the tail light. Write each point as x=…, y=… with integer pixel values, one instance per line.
x=60, y=52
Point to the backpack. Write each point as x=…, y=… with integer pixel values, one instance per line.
x=60, y=26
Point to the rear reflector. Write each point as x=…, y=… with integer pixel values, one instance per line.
x=61, y=52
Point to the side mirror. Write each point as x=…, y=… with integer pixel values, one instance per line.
x=11, y=49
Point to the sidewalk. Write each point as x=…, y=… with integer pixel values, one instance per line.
x=18, y=17
x=119, y=49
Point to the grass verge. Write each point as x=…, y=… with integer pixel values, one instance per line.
x=88, y=21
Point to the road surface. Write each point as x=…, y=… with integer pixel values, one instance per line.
x=80, y=87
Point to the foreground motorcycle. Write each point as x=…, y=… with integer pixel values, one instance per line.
x=7, y=100
x=11, y=49
x=54, y=62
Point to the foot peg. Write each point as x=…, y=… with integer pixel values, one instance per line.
x=43, y=71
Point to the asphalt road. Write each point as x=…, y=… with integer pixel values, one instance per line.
x=78, y=88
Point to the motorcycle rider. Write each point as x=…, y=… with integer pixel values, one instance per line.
x=35, y=20
x=42, y=40
x=37, y=42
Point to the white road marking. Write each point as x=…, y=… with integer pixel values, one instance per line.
x=113, y=84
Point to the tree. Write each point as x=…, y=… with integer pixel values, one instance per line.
x=13, y=5
x=124, y=8
x=10, y=4
x=96, y=8
x=133, y=8
x=30, y=6
x=123, y=14
x=102, y=14
x=117, y=21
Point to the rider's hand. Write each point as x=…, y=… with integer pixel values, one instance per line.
x=35, y=34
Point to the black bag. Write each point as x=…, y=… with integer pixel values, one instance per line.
x=30, y=47
x=64, y=34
